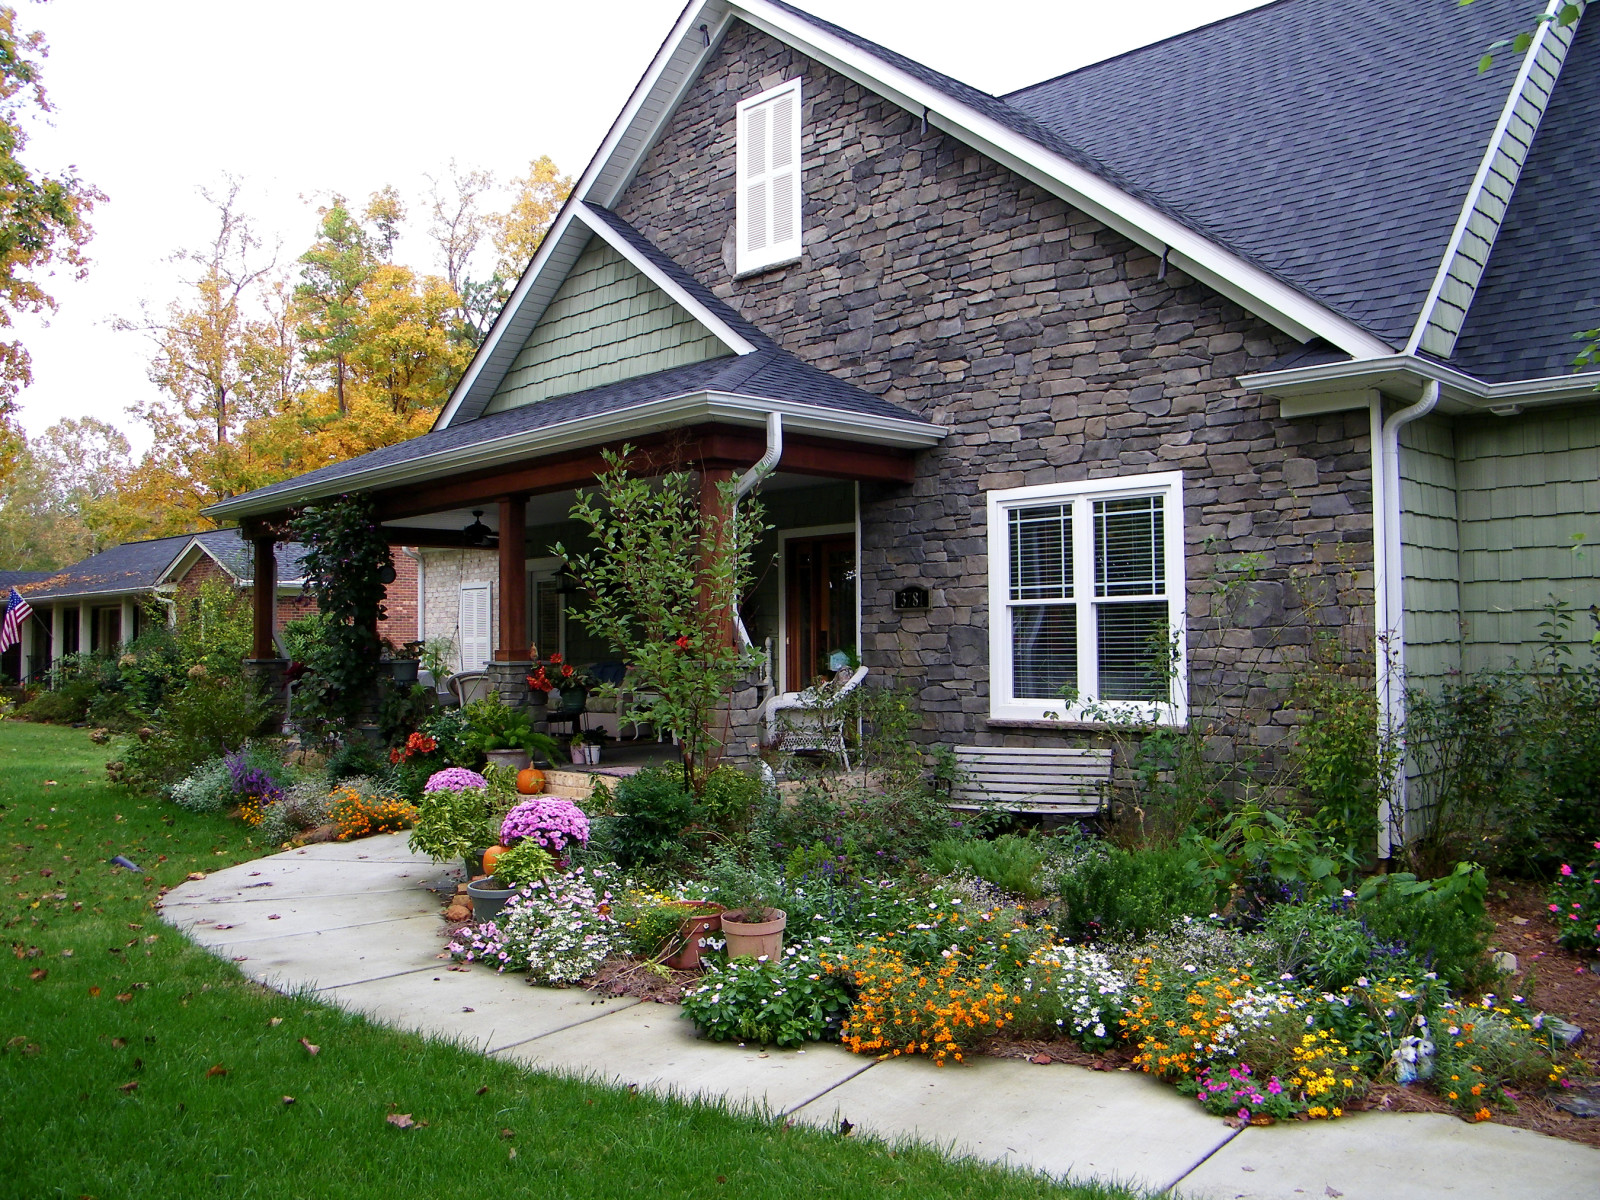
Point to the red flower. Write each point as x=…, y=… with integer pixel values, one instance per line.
x=555, y=659
x=394, y=755
x=539, y=681
x=567, y=672
x=683, y=643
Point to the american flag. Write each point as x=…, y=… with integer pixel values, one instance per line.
x=17, y=612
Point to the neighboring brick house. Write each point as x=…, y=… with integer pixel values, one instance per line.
x=1173, y=347
x=101, y=602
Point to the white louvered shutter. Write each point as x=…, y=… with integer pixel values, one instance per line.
x=474, y=624
x=769, y=177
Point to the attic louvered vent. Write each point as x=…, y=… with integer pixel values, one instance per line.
x=768, y=177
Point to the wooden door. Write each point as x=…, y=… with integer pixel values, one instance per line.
x=819, y=605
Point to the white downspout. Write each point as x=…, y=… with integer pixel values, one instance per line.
x=763, y=467
x=1389, y=596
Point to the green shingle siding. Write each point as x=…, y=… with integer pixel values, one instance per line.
x=607, y=322
x=1431, y=547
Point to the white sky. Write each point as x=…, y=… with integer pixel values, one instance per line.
x=159, y=98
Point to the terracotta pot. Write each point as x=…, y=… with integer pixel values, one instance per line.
x=489, y=896
x=492, y=856
x=706, y=921
x=753, y=939
x=530, y=781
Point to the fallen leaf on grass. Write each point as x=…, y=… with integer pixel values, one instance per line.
x=37, y=974
x=66, y=954
x=130, y=1086
x=483, y=1089
x=216, y=1070
x=288, y=1100
x=512, y=1154
x=197, y=874
x=401, y=1120
x=274, y=1022
x=310, y=1049
x=94, y=991
x=124, y=997
x=119, y=1043
x=507, y=1134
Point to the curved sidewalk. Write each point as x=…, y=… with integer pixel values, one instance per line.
x=354, y=923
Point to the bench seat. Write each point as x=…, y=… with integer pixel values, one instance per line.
x=1044, y=780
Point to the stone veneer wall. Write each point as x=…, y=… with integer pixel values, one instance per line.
x=1051, y=349
x=444, y=571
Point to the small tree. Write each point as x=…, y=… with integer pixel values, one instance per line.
x=662, y=582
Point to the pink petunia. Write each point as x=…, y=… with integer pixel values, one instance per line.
x=1565, y=869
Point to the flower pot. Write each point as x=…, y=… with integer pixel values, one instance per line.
x=515, y=759
x=580, y=754
x=489, y=896
x=706, y=921
x=591, y=755
x=401, y=670
x=754, y=939
x=473, y=861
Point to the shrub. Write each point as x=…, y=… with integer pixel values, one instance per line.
x=356, y=758
x=54, y=708
x=1325, y=943
x=557, y=929
x=523, y=863
x=652, y=810
x=1441, y=922
x=1071, y=991
x=1009, y=862
x=729, y=798
x=304, y=806
x=786, y=1002
x=450, y=823
x=208, y=788
x=1575, y=903
x=359, y=813
x=201, y=720
x=1131, y=893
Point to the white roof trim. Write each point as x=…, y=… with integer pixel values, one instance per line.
x=725, y=332
x=1257, y=290
x=631, y=421
x=1404, y=375
x=1551, y=41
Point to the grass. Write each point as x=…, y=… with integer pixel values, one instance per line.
x=134, y=1064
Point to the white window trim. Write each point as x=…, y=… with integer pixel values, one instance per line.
x=1002, y=705
x=776, y=253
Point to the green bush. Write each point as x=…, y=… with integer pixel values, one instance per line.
x=523, y=863
x=652, y=810
x=787, y=1002
x=448, y=824
x=1131, y=893
x=729, y=798
x=1009, y=862
x=1442, y=922
x=54, y=708
x=355, y=757
x=1323, y=943
x=209, y=716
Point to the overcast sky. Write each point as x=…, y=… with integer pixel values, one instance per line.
x=297, y=98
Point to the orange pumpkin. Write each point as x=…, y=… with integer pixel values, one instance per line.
x=530, y=781
x=491, y=856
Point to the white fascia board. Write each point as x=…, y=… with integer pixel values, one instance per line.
x=1260, y=292
x=579, y=432
x=1405, y=376
x=724, y=333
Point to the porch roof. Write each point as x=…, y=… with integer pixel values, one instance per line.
x=737, y=391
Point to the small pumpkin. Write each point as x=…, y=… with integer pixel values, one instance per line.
x=530, y=781
x=490, y=856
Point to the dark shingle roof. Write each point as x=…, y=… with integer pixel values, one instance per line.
x=239, y=556
x=11, y=579
x=129, y=567
x=767, y=373
x=1543, y=280
x=1332, y=143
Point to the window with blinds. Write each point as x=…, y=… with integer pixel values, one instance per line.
x=1087, y=583
x=768, y=178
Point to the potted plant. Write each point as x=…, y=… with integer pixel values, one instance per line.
x=754, y=927
x=505, y=735
x=514, y=869
x=457, y=817
x=697, y=920
x=584, y=747
x=400, y=663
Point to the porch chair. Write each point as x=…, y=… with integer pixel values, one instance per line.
x=812, y=719
x=467, y=686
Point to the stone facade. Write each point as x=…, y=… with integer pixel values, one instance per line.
x=1051, y=347
x=443, y=573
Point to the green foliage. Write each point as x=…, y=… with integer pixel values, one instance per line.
x=1442, y=922
x=450, y=824
x=402, y=708
x=1132, y=893
x=523, y=863
x=1325, y=943
x=354, y=758
x=879, y=828
x=1337, y=756
x=492, y=724
x=346, y=556
x=1575, y=902
x=729, y=798
x=651, y=810
x=54, y=708
x=660, y=584
x=1011, y=863
x=786, y=1002
x=212, y=714
x=303, y=635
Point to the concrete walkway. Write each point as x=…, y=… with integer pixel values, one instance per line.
x=354, y=923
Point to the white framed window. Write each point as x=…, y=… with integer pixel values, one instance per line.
x=1086, y=601
x=768, y=178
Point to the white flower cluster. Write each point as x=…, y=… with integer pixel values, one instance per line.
x=560, y=929
x=1078, y=985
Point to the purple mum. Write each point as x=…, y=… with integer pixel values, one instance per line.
x=551, y=821
x=454, y=779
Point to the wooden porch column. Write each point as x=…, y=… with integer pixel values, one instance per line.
x=265, y=599
x=714, y=510
x=513, y=579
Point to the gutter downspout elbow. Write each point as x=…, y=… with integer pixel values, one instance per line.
x=764, y=466
x=1389, y=603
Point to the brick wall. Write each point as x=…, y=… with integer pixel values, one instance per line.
x=1050, y=348
x=399, y=624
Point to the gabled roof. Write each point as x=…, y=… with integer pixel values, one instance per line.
x=1542, y=283
x=229, y=550
x=130, y=567
x=11, y=579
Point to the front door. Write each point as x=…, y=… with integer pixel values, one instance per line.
x=819, y=605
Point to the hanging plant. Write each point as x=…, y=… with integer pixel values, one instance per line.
x=346, y=562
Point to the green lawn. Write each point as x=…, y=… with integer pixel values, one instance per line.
x=134, y=1065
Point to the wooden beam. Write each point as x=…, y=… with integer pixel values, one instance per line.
x=513, y=578
x=264, y=599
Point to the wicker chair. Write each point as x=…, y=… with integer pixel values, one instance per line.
x=813, y=719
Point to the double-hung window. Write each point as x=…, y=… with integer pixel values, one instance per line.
x=1087, y=600
x=768, y=178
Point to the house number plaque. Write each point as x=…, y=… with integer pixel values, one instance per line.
x=911, y=599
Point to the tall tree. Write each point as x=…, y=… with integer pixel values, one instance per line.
x=517, y=232
x=43, y=218
x=332, y=274
x=63, y=499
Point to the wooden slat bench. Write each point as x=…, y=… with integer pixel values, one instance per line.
x=1033, y=780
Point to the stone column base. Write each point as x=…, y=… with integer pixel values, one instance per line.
x=269, y=674
x=510, y=680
